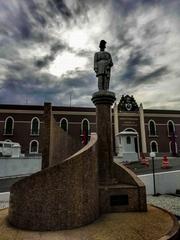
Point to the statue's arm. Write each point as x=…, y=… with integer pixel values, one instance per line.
x=95, y=63
x=110, y=61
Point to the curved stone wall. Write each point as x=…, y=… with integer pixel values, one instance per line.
x=60, y=197
x=125, y=175
x=57, y=144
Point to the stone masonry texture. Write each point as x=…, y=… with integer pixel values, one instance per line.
x=114, y=180
x=73, y=189
x=64, y=194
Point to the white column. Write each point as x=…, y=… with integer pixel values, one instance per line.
x=116, y=128
x=142, y=125
x=138, y=146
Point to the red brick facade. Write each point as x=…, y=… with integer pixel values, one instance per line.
x=22, y=116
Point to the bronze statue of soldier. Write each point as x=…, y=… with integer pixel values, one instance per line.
x=102, y=66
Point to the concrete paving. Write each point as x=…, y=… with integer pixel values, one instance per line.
x=139, y=168
x=150, y=225
x=169, y=202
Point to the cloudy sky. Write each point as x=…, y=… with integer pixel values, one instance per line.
x=47, y=49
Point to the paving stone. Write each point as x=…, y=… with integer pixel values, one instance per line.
x=168, y=202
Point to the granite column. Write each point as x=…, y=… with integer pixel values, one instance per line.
x=103, y=101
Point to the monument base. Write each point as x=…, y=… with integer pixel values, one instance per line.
x=118, y=198
x=119, y=189
x=154, y=224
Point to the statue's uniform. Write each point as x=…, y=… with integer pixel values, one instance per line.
x=102, y=66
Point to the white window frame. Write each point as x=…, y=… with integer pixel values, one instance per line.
x=35, y=134
x=174, y=129
x=130, y=130
x=30, y=146
x=157, y=147
x=170, y=149
x=6, y=126
x=85, y=119
x=149, y=129
x=8, y=140
x=67, y=123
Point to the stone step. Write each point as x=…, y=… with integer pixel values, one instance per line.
x=122, y=186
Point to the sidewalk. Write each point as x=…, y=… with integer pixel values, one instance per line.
x=168, y=202
x=4, y=200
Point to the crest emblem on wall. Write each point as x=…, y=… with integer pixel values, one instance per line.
x=127, y=103
x=128, y=106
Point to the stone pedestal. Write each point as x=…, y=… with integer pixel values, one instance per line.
x=119, y=188
x=103, y=101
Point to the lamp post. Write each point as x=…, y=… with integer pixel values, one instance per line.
x=153, y=155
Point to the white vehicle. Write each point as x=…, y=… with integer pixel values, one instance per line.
x=10, y=149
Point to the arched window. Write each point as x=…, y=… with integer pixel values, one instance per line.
x=130, y=130
x=128, y=140
x=171, y=128
x=154, y=146
x=35, y=126
x=7, y=140
x=64, y=124
x=152, y=127
x=34, y=146
x=173, y=147
x=85, y=131
x=9, y=126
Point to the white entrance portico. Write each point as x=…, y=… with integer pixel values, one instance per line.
x=129, y=145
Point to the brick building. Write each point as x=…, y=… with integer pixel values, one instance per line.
x=154, y=130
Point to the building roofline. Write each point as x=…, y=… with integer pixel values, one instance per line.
x=78, y=109
x=41, y=107
x=162, y=111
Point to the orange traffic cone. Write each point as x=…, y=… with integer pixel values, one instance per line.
x=165, y=162
x=146, y=163
x=144, y=160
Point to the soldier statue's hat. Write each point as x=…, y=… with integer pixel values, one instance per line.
x=102, y=43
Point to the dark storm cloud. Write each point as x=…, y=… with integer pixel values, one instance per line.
x=79, y=10
x=15, y=67
x=141, y=37
x=37, y=88
x=38, y=16
x=23, y=83
x=24, y=26
x=31, y=16
x=136, y=81
x=16, y=23
x=152, y=77
x=61, y=7
x=40, y=63
x=125, y=6
x=45, y=61
x=136, y=59
x=128, y=6
x=82, y=79
x=19, y=24
x=23, y=80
